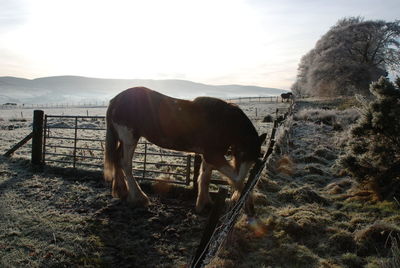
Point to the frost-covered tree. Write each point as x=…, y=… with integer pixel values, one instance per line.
x=351, y=55
x=374, y=146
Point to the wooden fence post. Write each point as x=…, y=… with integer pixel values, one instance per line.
x=37, y=138
x=213, y=220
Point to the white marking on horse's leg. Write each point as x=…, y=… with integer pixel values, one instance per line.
x=135, y=194
x=203, y=196
x=243, y=171
x=228, y=171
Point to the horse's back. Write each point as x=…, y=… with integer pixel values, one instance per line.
x=163, y=120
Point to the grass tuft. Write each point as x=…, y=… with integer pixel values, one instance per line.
x=301, y=195
x=376, y=238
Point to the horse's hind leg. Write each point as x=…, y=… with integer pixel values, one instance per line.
x=203, y=197
x=135, y=195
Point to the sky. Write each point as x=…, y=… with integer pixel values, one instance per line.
x=248, y=42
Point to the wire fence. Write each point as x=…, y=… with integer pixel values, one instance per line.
x=213, y=238
x=12, y=106
x=102, y=104
x=256, y=99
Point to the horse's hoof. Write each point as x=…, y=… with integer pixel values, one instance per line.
x=204, y=208
x=138, y=202
x=235, y=196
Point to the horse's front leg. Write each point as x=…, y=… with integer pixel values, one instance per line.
x=203, y=196
x=235, y=178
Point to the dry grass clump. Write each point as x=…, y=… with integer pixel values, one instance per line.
x=315, y=169
x=339, y=186
x=339, y=120
x=351, y=260
x=285, y=166
x=346, y=103
x=291, y=255
x=305, y=224
x=314, y=179
x=325, y=153
x=311, y=158
x=267, y=185
x=301, y=195
x=327, y=117
x=342, y=241
x=376, y=238
x=394, y=261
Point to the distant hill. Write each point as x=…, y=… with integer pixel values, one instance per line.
x=73, y=89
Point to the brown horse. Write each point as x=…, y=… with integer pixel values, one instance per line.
x=287, y=96
x=206, y=126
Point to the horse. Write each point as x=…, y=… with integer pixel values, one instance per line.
x=206, y=126
x=286, y=96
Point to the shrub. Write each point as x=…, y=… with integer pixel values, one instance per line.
x=373, y=156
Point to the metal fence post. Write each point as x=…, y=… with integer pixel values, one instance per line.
x=45, y=133
x=37, y=137
x=75, y=141
x=188, y=166
x=196, y=172
x=145, y=159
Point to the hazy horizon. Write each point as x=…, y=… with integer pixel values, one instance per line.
x=74, y=89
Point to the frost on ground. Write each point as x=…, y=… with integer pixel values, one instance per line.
x=310, y=213
x=56, y=217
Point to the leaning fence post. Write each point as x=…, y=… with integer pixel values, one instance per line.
x=213, y=220
x=37, y=137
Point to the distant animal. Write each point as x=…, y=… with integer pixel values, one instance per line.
x=286, y=96
x=206, y=126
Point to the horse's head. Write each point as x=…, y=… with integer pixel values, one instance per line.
x=245, y=155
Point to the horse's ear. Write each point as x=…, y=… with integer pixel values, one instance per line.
x=262, y=138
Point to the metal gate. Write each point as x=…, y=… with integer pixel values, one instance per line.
x=78, y=142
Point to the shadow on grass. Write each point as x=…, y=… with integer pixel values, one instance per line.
x=163, y=235
x=105, y=232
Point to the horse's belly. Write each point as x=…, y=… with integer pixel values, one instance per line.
x=177, y=144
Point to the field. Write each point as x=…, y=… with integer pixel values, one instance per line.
x=310, y=214
x=61, y=217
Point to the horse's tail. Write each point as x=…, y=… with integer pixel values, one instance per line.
x=111, y=150
x=112, y=159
